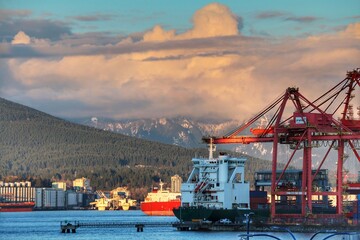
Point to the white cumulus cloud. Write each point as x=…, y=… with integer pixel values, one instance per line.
x=21, y=38
x=211, y=70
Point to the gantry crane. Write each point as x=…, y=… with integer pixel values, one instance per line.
x=304, y=124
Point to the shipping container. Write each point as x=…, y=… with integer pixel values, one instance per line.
x=258, y=200
x=355, y=208
x=258, y=194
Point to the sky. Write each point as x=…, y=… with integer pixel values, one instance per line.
x=150, y=59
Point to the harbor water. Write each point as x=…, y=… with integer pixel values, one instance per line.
x=46, y=225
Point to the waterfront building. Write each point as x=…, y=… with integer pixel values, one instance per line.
x=176, y=182
x=58, y=199
x=16, y=192
x=82, y=184
x=59, y=185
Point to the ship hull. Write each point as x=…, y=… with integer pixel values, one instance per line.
x=214, y=215
x=17, y=207
x=159, y=208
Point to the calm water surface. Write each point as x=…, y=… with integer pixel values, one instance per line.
x=46, y=225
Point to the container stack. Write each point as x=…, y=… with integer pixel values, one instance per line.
x=356, y=211
x=258, y=200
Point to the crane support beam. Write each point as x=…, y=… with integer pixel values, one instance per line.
x=305, y=124
x=252, y=139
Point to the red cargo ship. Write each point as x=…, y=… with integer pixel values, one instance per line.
x=161, y=202
x=16, y=206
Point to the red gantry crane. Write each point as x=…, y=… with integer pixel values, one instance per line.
x=304, y=124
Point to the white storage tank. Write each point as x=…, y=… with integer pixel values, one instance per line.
x=49, y=198
x=60, y=200
x=71, y=199
x=80, y=197
x=38, y=197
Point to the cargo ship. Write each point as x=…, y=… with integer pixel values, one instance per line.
x=16, y=206
x=160, y=202
x=216, y=190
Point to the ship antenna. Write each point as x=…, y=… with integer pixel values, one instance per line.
x=161, y=185
x=212, y=149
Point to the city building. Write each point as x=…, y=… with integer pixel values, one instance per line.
x=82, y=184
x=176, y=181
x=59, y=185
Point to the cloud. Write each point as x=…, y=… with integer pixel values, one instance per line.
x=285, y=16
x=211, y=70
x=13, y=21
x=21, y=38
x=157, y=34
x=352, y=30
x=10, y=14
x=270, y=14
x=213, y=20
x=304, y=19
x=94, y=17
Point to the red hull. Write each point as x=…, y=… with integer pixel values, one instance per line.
x=159, y=208
x=17, y=207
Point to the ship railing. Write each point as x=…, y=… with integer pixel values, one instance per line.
x=201, y=188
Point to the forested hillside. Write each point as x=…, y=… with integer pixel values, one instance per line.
x=35, y=145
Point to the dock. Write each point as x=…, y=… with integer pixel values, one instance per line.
x=208, y=226
x=71, y=226
x=67, y=227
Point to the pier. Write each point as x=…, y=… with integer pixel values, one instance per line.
x=208, y=226
x=67, y=227
x=71, y=226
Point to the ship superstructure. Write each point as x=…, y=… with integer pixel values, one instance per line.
x=217, y=183
x=161, y=195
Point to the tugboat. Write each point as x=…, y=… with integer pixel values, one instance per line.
x=215, y=190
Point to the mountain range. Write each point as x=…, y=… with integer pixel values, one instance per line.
x=179, y=131
x=188, y=132
x=35, y=145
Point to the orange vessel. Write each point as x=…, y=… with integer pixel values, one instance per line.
x=161, y=202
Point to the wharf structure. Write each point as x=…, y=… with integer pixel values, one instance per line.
x=291, y=182
x=58, y=197
x=16, y=192
x=328, y=122
x=117, y=199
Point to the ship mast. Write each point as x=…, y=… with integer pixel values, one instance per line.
x=212, y=148
x=161, y=185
